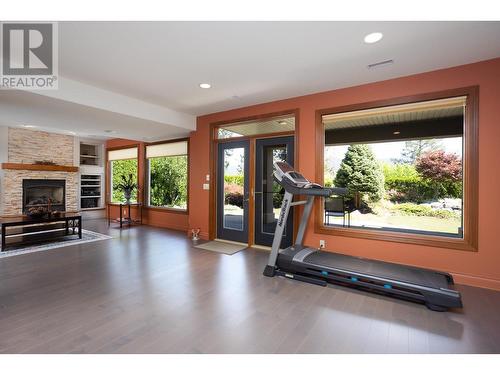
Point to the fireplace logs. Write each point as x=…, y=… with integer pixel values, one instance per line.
x=44, y=195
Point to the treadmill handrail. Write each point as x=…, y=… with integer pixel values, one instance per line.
x=315, y=191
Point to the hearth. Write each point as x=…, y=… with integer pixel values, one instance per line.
x=37, y=193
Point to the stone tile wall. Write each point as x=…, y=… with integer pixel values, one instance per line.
x=27, y=146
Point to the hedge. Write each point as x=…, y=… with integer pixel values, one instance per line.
x=419, y=210
x=234, y=179
x=404, y=184
x=234, y=199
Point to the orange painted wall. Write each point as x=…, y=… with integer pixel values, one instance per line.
x=154, y=217
x=480, y=268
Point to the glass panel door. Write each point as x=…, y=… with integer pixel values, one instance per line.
x=268, y=193
x=232, y=191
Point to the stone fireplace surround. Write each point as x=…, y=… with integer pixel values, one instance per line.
x=26, y=147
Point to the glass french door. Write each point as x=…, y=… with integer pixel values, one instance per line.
x=232, y=190
x=268, y=193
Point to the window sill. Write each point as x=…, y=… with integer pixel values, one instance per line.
x=401, y=237
x=168, y=209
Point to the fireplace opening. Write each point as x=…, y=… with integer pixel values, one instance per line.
x=36, y=193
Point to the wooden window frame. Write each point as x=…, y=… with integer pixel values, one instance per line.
x=108, y=178
x=469, y=242
x=181, y=211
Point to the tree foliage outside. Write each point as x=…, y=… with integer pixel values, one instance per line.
x=237, y=179
x=233, y=184
x=225, y=133
x=233, y=194
x=399, y=172
x=404, y=184
x=443, y=171
x=422, y=188
x=233, y=189
x=228, y=153
x=328, y=171
x=416, y=148
x=168, y=181
x=121, y=168
x=434, y=175
x=360, y=172
x=329, y=180
x=439, y=166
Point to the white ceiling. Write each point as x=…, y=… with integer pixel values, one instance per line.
x=159, y=65
x=163, y=62
x=19, y=108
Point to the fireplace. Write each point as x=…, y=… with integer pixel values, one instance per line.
x=38, y=192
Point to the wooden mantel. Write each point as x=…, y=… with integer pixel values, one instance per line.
x=39, y=167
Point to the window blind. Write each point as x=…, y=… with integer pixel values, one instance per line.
x=167, y=149
x=125, y=153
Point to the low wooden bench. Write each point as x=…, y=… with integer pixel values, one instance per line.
x=32, y=230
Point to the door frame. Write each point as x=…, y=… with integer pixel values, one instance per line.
x=214, y=126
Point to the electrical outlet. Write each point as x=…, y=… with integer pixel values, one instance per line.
x=206, y=186
x=322, y=244
x=207, y=177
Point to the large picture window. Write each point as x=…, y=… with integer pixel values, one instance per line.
x=404, y=167
x=123, y=173
x=167, y=175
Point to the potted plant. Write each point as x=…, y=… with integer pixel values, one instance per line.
x=127, y=185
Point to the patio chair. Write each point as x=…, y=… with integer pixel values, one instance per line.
x=336, y=207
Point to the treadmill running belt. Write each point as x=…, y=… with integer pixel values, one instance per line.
x=381, y=269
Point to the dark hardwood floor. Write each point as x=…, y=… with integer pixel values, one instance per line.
x=148, y=290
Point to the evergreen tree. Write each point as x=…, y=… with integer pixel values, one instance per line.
x=361, y=172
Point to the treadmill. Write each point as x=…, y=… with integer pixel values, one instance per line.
x=298, y=262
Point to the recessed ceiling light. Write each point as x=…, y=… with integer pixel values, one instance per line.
x=373, y=37
x=29, y=126
x=205, y=85
x=396, y=133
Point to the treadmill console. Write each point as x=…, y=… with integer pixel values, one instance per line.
x=285, y=170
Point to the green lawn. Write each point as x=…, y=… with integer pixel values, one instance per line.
x=385, y=220
x=424, y=223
